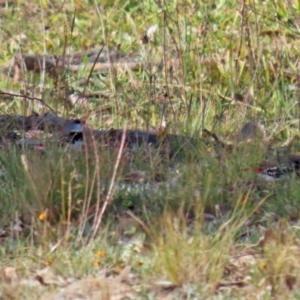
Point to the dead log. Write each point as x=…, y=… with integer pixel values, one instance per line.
x=100, y=59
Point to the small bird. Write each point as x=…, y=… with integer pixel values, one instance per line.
x=74, y=136
x=75, y=126
x=272, y=171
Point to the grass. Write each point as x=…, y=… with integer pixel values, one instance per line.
x=219, y=232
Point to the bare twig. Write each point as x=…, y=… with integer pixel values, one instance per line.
x=110, y=193
x=92, y=68
x=87, y=209
x=28, y=97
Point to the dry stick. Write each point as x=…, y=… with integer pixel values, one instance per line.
x=92, y=69
x=30, y=98
x=164, y=51
x=61, y=75
x=110, y=193
x=43, y=73
x=298, y=112
x=233, y=101
x=242, y=12
x=216, y=139
x=182, y=66
x=212, y=135
x=96, y=207
x=298, y=96
x=73, y=22
x=88, y=192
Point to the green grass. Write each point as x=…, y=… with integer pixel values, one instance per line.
x=218, y=65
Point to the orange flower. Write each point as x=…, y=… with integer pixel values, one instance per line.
x=262, y=265
x=97, y=262
x=100, y=253
x=43, y=215
x=49, y=261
